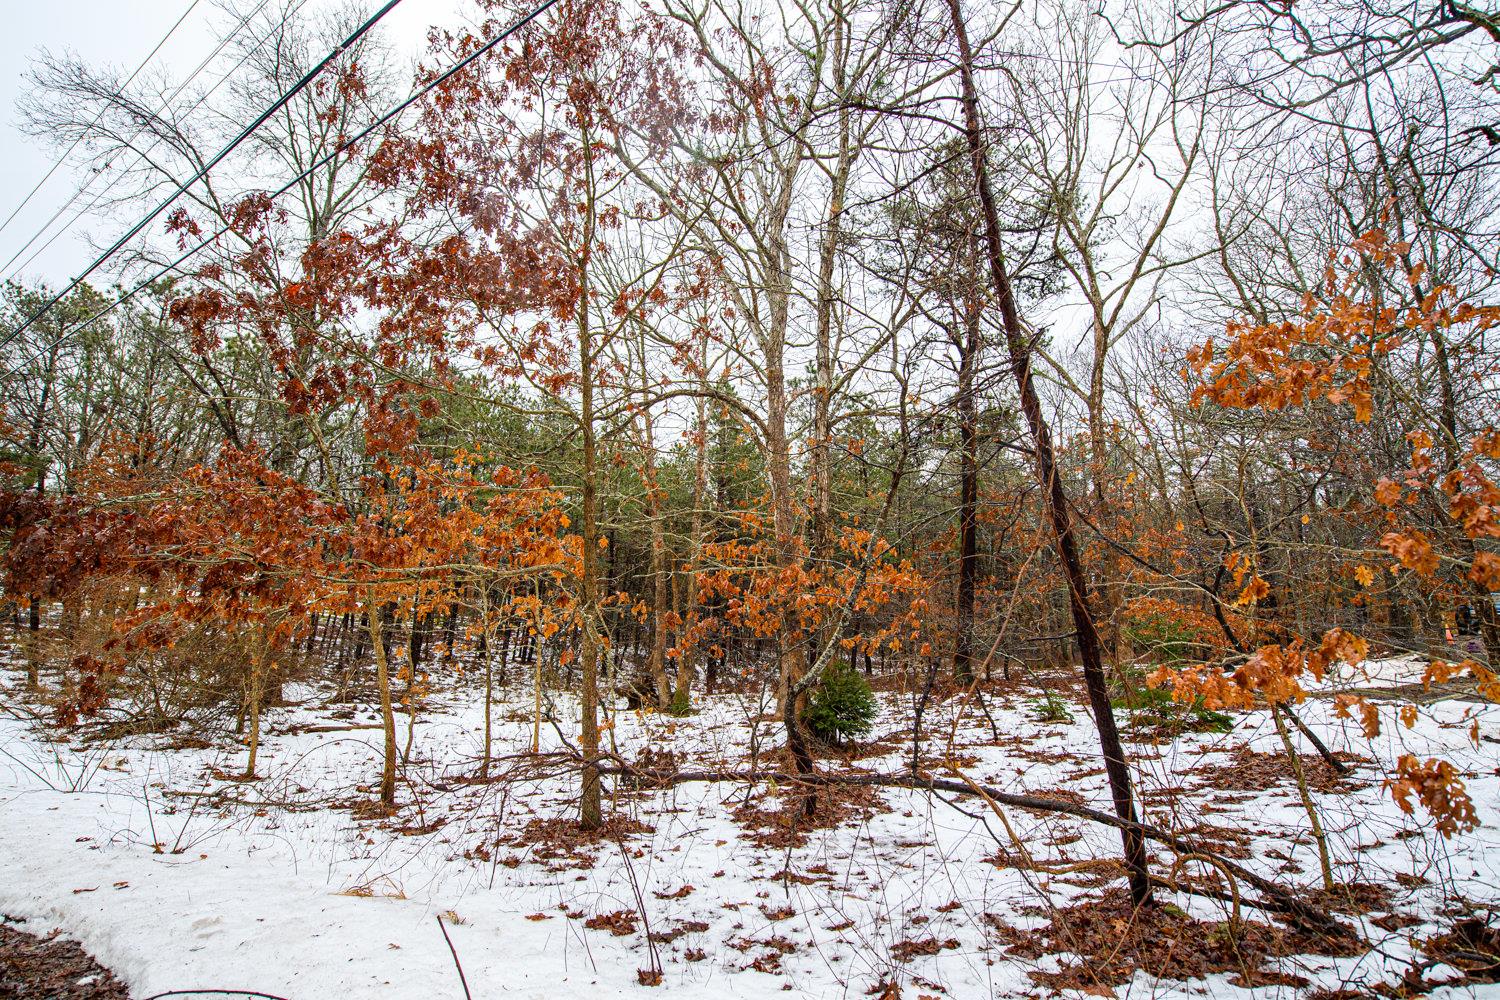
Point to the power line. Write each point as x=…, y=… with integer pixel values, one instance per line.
x=245, y=133
x=69, y=151
x=363, y=134
x=165, y=104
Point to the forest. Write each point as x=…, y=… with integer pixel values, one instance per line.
x=893, y=498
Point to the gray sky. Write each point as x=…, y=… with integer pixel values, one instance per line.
x=118, y=33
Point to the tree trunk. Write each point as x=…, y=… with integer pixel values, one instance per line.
x=489, y=680
x=690, y=587
x=387, y=713
x=1047, y=475
x=968, y=503
x=34, y=646
x=1319, y=837
x=590, y=813
x=252, y=694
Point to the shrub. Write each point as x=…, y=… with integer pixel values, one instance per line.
x=1051, y=708
x=1154, y=709
x=843, y=706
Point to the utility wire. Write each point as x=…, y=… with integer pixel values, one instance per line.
x=364, y=133
x=69, y=151
x=245, y=133
x=161, y=109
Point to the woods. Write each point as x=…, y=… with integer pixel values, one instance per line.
x=1009, y=487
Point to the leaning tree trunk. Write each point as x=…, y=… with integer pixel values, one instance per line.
x=1053, y=490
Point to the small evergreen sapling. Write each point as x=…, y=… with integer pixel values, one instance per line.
x=681, y=704
x=843, y=706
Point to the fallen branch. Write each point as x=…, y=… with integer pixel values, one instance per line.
x=1275, y=898
x=1339, y=767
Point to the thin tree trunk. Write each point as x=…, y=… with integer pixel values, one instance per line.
x=661, y=606
x=690, y=587
x=1307, y=803
x=968, y=503
x=590, y=813
x=34, y=646
x=1019, y=349
x=257, y=666
x=387, y=713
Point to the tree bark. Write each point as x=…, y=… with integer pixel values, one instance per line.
x=252, y=694
x=968, y=502
x=590, y=812
x=387, y=713
x=1019, y=348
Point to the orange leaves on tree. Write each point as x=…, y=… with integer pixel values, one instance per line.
x=1255, y=591
x=1437, y=786
x=1486, y=681
x=764, y=593
x=1273, y=673
x=1345, y=705
x=1412, y=549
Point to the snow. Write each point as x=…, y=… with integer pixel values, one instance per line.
x=178, y=877
x=1391, y=672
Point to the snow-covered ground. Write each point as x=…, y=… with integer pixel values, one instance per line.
x=179, y=877
x=1387, y=673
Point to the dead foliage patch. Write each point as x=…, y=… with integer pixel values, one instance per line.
x=1108, y=940
x=1472, y=946
x=1089, y=873
x=905, y=951
x=814, y=875
x=679, y=928
x=1067, y=795
x=651, y=759
x=851, y=750
x=368, y=809
x=1226, y=841
x=561, y=842
x=620, y=923
x=1243, y=769
x=779, y=820
x=52, y=967
x=769, y=960
x=1351, y=897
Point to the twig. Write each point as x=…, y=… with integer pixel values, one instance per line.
x=640, y=901
x=1223, y=869
x=454, y=951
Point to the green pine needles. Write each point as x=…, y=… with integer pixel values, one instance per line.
x=843, y=707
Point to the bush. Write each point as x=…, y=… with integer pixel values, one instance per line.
x=1051, y=708
x=1154, y=709
x=843, y=706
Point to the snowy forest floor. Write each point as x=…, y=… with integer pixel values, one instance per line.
x=178, y=876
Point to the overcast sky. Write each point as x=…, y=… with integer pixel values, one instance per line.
x=118, y=33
